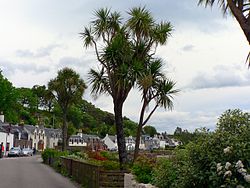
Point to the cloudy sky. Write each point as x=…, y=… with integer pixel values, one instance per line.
x=205, y=54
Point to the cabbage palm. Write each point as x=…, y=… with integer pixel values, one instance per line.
x=67, y=89
x=240, y=9
x=155, y=87
x=122, y=49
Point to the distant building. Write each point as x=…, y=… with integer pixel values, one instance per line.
x=7, y=138
x=92, y=142
x=111, y=142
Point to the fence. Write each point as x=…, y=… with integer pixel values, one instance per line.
x=92, y=175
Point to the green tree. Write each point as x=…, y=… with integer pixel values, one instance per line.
x=68, y=89
x=238, y=8
x=8, y=98
x=149, y=130
x=121, y=55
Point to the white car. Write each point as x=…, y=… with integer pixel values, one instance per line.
x=15, y=151
x=27, y=152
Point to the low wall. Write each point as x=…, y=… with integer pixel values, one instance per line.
x=93, y=176
x=129, y=182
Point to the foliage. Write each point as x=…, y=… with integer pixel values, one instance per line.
x=52, y=153
x=149, y=130
x=8, y=98
x=239, y=9
x=112, y=156
x=211, y=160
x=67, y=89
x=142, y=169
x=164, y=173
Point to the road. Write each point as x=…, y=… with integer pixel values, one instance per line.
x=30, y=172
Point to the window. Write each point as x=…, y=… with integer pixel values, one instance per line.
x=35, y=135
x=43, y=136
x=39, y=135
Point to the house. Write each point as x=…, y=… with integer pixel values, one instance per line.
x=76, y=140
x=92, y=142
x=21, y=137
x=6, y=138
x=37, y=135
x=53, y=137
x=130, y=143
x=111, y=142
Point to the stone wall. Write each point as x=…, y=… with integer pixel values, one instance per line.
x=129, y=182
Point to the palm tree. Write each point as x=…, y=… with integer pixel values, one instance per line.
x=67, y=89
x=121, y=49
x=155, y=87
x=240, y=9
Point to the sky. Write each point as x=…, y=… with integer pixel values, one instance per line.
x=205, y=54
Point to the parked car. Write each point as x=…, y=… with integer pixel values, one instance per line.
x=27, y=152
x=15, y=151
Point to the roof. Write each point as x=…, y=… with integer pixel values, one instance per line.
x=29, y=128
x=51, y=132
x=113, y=138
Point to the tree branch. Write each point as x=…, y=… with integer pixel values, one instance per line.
x=149, y=116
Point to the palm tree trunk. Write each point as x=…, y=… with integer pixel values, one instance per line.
x=120, y=133
x=139, y=130
x=137, y=142
x=242, y=20
x=64, y=131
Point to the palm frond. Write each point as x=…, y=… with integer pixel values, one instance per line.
x=87, y=37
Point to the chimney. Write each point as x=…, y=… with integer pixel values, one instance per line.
x=1, y=117
x=21, y=123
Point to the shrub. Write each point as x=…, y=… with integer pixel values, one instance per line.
x=205, y=162
x=112, y=156
x=53, y=154
x=142, y=169
x=164, y=173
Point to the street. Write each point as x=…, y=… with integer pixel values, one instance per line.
x=30, y=172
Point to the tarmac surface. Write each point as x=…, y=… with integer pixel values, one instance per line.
x=30, y=172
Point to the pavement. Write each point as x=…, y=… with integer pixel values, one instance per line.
x=30, y=172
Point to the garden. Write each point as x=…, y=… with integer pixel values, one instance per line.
x=214, y=159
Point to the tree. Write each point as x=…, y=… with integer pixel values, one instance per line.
x=155, y=88
x=121, y=53
x=231, y=121
x=8, y=97
x=149, y=130
x=68, y=89
x=239, y=9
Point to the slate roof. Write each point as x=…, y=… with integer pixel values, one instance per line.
x=50, y=132
x=113, y=138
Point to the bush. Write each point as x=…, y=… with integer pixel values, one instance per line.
x=164, y=173
x=142, y=169
x=52, y=154
x=112, y=156
x=211, y=160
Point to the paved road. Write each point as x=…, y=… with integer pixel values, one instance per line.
x=29, y=172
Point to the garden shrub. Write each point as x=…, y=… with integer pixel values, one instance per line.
x=142, y=169
x=211, y=160
x=164, y=173
x=112, y=156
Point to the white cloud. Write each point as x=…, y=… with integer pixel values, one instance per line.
x=205, y=51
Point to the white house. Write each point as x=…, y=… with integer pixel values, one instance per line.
x=37, y=135
x=53, y=137
x=7, y=139
x=77, y=140
x=130, y=143
x=111, y=142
